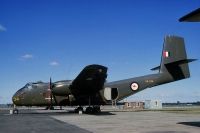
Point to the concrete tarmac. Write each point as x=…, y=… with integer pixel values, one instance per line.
x=57, y=121
x=30, y=121
x=136, y=122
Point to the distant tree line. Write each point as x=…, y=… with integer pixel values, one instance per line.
x=178, y=103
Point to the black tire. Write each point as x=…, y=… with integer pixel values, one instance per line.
x=15, y=111
x=89, y=110
x=96, y=109
x=78, y=109
x=51, y=108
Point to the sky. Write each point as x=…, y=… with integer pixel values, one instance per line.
x=40, y=39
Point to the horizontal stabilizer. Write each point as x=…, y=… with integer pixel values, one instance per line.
x=175, y=63
x=183, y=61
x=156, y=68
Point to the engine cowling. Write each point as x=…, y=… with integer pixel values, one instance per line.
x=61, y=88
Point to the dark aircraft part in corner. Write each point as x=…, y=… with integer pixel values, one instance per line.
x=194, y=16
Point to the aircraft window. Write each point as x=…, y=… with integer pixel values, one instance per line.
x=28, y=86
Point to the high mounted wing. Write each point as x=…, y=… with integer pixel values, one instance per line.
x=90, y=80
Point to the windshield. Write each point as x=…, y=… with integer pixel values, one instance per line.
x=28, y=86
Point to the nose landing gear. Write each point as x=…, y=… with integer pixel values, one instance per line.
x=79, y=110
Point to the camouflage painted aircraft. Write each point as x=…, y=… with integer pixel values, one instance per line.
x=90, y=89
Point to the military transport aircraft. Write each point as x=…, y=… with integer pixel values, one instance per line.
x=90, y=89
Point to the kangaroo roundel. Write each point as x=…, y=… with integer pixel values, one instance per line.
x=134, y=86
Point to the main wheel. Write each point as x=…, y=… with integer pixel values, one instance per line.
x=96, y=109
x=89, y=110
x=51, y=108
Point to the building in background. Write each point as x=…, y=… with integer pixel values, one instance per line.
x=153, y=104
x=133, y=105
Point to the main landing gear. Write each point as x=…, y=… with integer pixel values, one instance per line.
x=88, y=110
x=93, y=110
x=49, y=108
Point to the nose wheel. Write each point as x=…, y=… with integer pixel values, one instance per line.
x=79, y=109
x=15, y=111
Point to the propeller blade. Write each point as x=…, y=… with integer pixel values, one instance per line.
x=50, y=87
x=50, y=84
x=52, y=95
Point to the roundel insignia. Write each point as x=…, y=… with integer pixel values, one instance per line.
x=134, y=86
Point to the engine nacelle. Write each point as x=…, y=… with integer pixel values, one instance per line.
x=61, y=88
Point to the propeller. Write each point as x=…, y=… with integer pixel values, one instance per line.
x=52, y=96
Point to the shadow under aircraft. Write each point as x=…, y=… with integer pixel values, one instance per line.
x=90, y=90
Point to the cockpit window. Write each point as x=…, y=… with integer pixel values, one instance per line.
x=28, y=86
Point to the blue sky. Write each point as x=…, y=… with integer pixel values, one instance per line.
x=57, y=38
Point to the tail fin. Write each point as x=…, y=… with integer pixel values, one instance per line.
x=174, y=58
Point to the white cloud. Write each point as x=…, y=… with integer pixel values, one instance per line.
x=2, y=28
x=54, y=63
x=26, y=57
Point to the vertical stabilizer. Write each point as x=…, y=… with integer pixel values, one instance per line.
x=174, y=58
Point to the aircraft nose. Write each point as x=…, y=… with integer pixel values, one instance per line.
x=16, y=99
x=17, y=96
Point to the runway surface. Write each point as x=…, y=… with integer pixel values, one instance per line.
x=60, y=121
x=30, y=121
